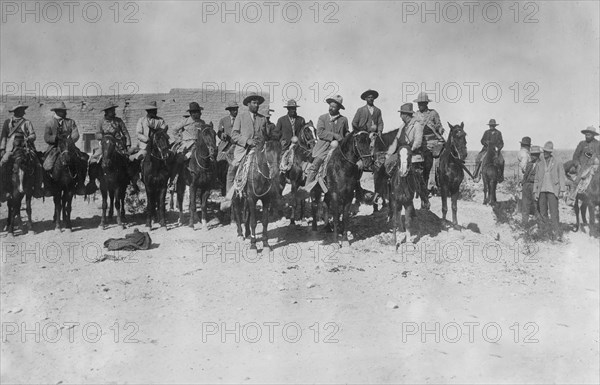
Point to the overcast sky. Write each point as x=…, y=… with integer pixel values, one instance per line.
x=544, y=52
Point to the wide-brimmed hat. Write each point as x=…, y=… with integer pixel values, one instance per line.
x=526, y=141
x=232, y=105
x=194, y=107
x=492, y=123
x=59, y=106
x=364, y=95
x=108, y=105
x=549, y=146
x=338, y=100
x=406, y=108
x=535, y=150
x=151, y=106
x=422, y=98
x=591, y=130
x=291, y=104
x=252, y=97
x=17, y=107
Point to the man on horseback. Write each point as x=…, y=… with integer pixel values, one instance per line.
x=19, y=126
x=586, y=158
x=433, y=141
x=60, y=125
x=225, y=128
x=331, y=128
x=290, y=124
x=491, y=138
x=249, y=128
x=412, y=135
x=186, y=133
x=148, y=125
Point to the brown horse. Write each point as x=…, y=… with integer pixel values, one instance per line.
x=20, y=183
x=403, y=186
x=156, y=168
x=113, y=180
x=490, y=175
x=589, y=199
x=342, y=177
x=303, y=143
x=262, y=184
x=199, y=174
x=450, y=170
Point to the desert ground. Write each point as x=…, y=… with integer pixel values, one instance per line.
x=474, y=304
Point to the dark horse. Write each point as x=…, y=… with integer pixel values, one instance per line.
x=20, y=183
x=403, y=186
x=262, y=184
x=490, y=175
x=589, y=199
x=199, y=174
x=63, y=180
x=113, y=180
x=303, y=145
x=156, y=169
x=382, y=143
x=450, y=170
x=342, y=176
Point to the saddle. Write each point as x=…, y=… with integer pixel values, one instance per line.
x=241, y=176
x=287, y=159
x=587, y=173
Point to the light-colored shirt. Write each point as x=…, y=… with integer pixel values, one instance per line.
x=187, y=129
x=523, y=158
x=146, y=124
x=547, y=181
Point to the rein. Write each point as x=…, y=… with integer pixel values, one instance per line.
x=356, y=150
x=202, y=158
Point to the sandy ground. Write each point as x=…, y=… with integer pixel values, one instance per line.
x=462, y=305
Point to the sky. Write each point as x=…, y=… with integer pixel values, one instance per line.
x=534, y=66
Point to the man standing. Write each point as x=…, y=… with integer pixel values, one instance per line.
x=491, y=138
x=528, y=204
x=147, y=125
x=523, y=155
x=290, y=124
x=548, y=187
x=18, y=125
x=60, y=125
x=368, y=117
x=411, y=134
x=249, y=128
x=225, y=128
x=433, y=139
x=330, y=127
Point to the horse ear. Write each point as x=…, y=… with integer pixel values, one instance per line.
x=449, y=125
x=462, y=124
x=310, y=123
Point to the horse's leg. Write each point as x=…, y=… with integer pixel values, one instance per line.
x=444, y=193
x=315, y=210
x=67, y=200
x=161, y=203
x=392, y=210
x=336, y=215
x=204, y=194
x=494, y=185
x=408, y=218
x=10, y=220
x=57, y=208
x=265, y=225
x=454, y=207
x=294, y=203
x=28, y=210
x=236, y=211
x=584, y=206
x=345, y=220
x=104, y=207
x=149, y=206
x=485, y=191
x=180, y=193
x=111, y=209
x=118, y=206
x=192, y=208
x=252, y=221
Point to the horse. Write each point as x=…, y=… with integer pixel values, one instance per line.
x=490, y=175
x=20, y=183
x=342, y=176
x=262, y=184
x=382, y=143
x=450, y=169
x=303, y=144
x=199, y=174
x=589, y=199
x=403, y=186
x=156, y=168
x=62, y=181
x=114, y=179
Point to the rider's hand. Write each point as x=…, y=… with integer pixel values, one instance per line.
x=337, y=137
x=250, y=143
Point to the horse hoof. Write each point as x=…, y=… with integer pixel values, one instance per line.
x=345, y=244
x=204, y=224
x=240, y=238
x=191, y=226
x=68, y=231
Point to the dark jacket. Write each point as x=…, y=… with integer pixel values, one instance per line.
x=328, y=131
x=287, y=131
x=363, y=119
x=493, y=137
x=69, y=127
x=583, y=147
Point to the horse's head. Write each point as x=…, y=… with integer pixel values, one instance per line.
x=457, y=141
x=64, y=144
x=159, y=144
x=306, y=136
x=109, y=145
x=404, y=160
x=361, y=147
x=207, y=141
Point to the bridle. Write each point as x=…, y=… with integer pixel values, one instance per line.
x=203, y=158
x=356, y=150
x=161, y=152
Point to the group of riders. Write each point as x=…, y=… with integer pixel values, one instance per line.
x=240, y=131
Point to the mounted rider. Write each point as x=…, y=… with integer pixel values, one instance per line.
x=587, y=158
x=331, y=128
x=491, y=137
x=249, y=128
x=146, y=126
x=433, y=140
x=290, y=124
x=19, y=126
x=186, y=133
x=60, y=125
x=226, y=148
x=110, y=124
